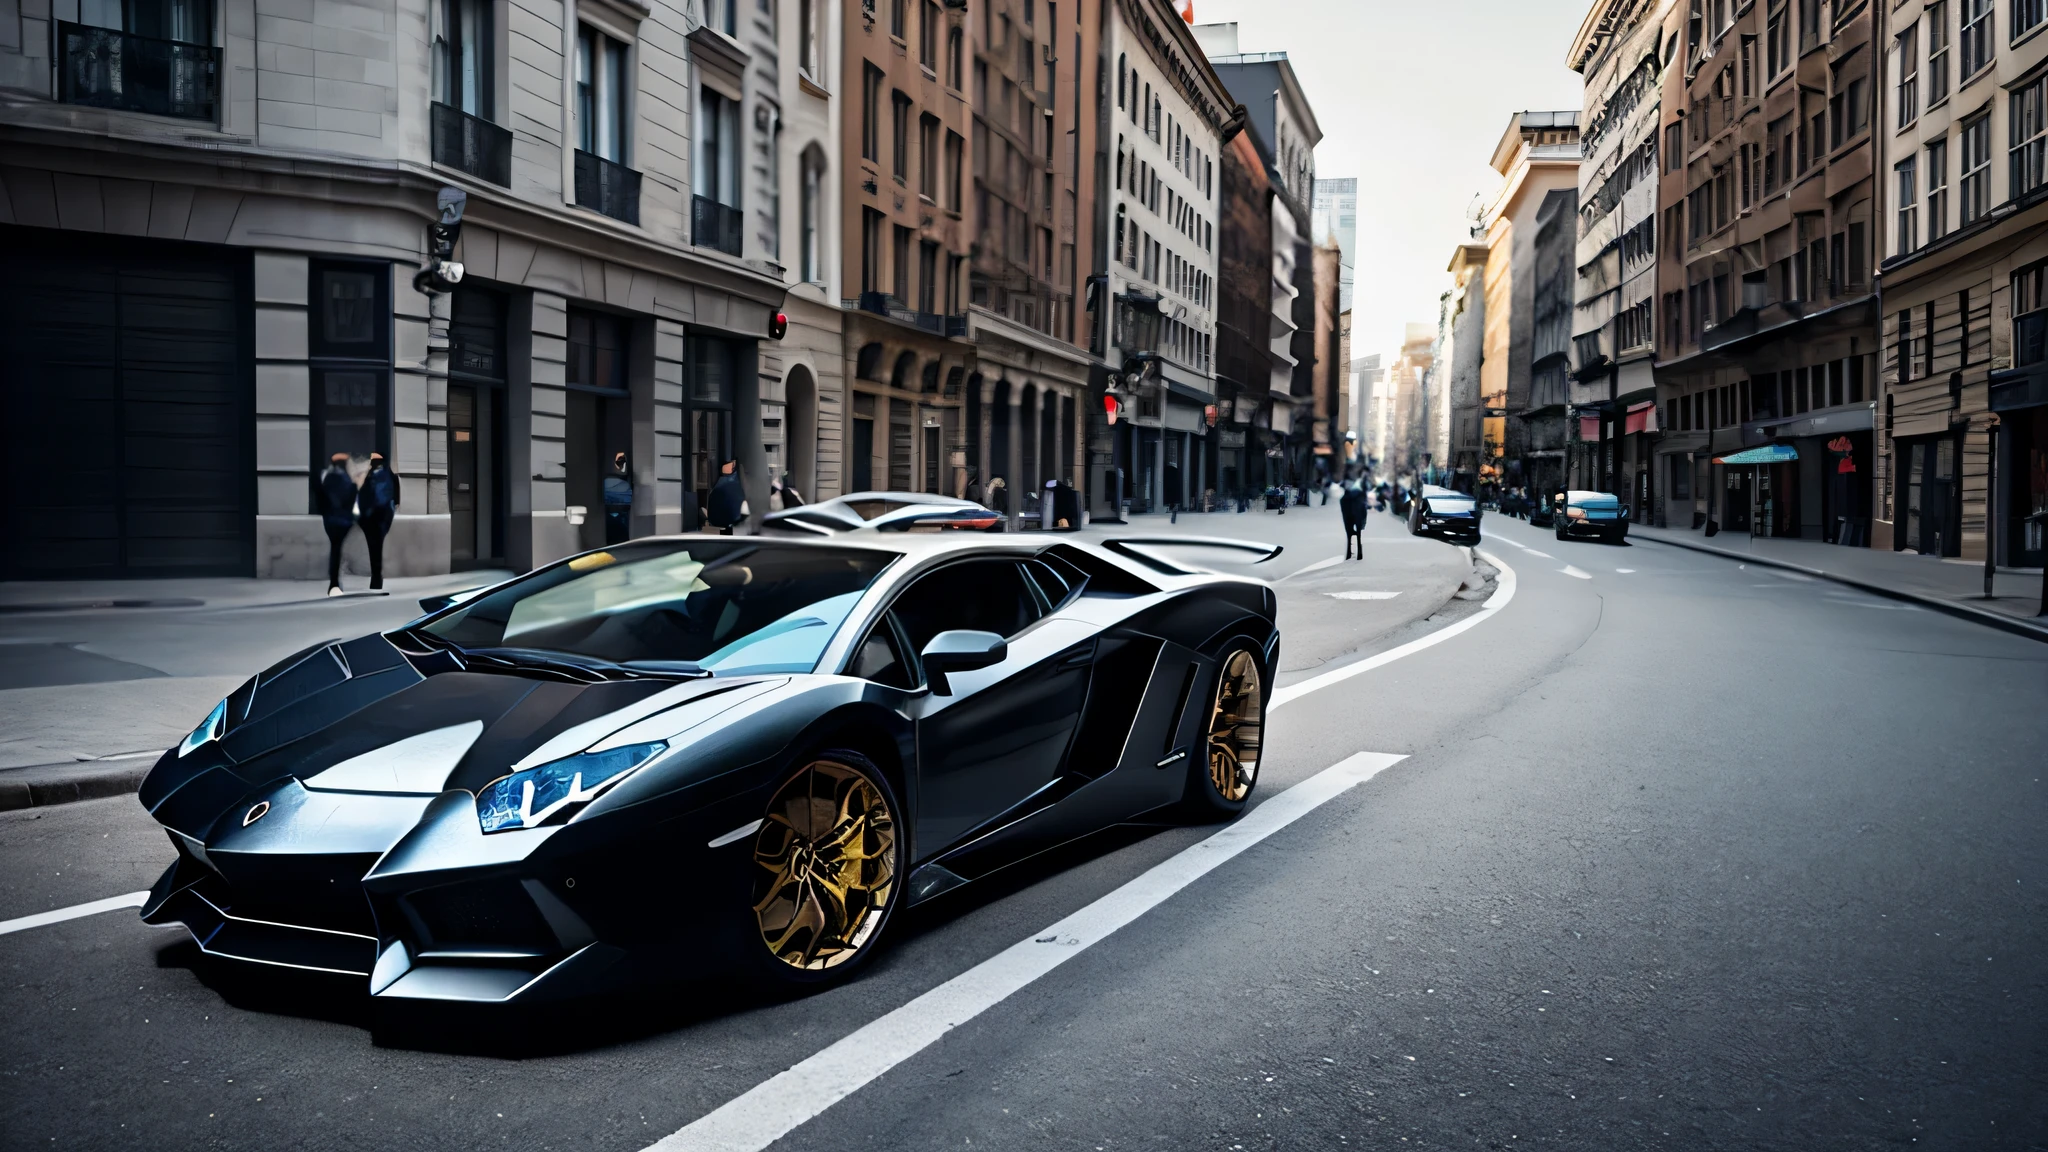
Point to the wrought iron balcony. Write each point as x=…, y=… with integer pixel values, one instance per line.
x=715, y=225
x=885, y=304
x=607, y=187
x=473, y=144
x=104, y=68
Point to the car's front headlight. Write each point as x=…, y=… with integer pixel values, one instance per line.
x=1574, y=512
x=209, y=728
x=529, y=798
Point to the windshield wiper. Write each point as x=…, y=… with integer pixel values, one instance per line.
x=673, y=669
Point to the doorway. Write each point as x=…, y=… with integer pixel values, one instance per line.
x=1930, y=497
x=597, y=429
x=476, y=429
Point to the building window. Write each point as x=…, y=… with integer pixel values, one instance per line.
x=349, y=348
x=871, y=225
x=2029, y=133
x=1975, y=41
x=928, y=278
x=1909, y=205
x=928, y=157
x=722, y=15
x=462, y=57
x=899, y=124
x=928, y=36
x=899, y=259
x=899, y=19
x=955, y=53
x=2027, y=15
x=2030, y=316
x=718, y=148
x=871, y=113
x=1976, y=181
x=955, y=148
x=601, y=95
x=1937, y=190
x=1778, y=38
x=807, y=39
x=1937, y=52
x=1909, y=76
x=810, y=206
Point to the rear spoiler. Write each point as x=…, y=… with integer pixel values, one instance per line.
x=1134, y=547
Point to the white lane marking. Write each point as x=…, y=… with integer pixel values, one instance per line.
x=737, y=834
x=1625, y=571
x=1571, y=571
x=776, y=1106
x=1315, y=567
x=1545, y=555
x=59, y=915
x=1513, y=543
x=1362, y=595
x=1504, y=591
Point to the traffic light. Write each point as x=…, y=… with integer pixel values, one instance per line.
x=443, y=272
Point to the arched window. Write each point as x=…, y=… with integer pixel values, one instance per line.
x=1122, y=67
x=954, y=55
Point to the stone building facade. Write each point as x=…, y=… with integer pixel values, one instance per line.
x=208, y=275
x=1767, y=302
x=1963, y=411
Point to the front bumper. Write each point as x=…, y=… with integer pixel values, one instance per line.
x=1615, y=529
x=441, y=912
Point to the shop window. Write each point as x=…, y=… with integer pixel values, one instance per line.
x=349, y=353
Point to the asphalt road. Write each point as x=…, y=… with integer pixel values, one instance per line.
x=1681, y=855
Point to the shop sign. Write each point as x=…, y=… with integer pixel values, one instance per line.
x=1845, y=454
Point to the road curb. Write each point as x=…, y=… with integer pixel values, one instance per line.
x=2013, y=624
x=46, y=784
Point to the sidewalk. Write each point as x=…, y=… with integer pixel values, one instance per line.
x=1943, y=585
x=97, y=677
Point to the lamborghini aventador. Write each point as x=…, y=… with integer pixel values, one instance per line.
x=700, y=755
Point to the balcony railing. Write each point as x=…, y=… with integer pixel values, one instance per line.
x=473, y=144
x=104, y=68
x=885, y=304
x=607, y=187
x=715, y=225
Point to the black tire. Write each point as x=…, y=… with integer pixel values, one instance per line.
x=802, y=878
x=1228, y=729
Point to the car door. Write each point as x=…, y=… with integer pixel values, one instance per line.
x=1003, y=731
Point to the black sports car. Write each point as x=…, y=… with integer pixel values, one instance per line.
x=704, y=754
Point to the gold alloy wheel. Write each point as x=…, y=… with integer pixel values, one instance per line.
x=827, y=857
x=1234, y=727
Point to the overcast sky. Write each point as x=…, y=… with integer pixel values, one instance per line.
x=1411, y=98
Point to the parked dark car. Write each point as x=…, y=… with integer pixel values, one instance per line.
x=1579, y=515
x=1438, y=511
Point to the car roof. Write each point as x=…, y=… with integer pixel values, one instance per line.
x=1435, y=490
x=1575, y=496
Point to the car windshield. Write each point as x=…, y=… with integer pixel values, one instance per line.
x=723, y=606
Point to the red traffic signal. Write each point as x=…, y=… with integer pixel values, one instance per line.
x=778, y=326
x=1109, y=407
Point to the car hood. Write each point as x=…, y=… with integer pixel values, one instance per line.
x=359, y=723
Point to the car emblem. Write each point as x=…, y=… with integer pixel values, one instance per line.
x=256, y=812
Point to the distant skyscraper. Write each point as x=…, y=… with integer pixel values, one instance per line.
x=1336, y=217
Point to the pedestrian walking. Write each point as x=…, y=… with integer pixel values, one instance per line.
x=377, y=505
x=618, y=502
x=728, y=499
x=337, y=492
x=1353, y=505
x=974, y=494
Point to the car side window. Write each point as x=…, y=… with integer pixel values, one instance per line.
x=980, y=595
x=877, y=658
x=1050, y=583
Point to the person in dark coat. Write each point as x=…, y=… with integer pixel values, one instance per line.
x=337, y=496
x=1353, y=505
x=618, y=502
x=727, y=500
x=378, y=504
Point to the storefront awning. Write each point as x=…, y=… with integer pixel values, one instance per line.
x=1768, y=454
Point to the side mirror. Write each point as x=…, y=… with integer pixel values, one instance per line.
x=960, y=650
